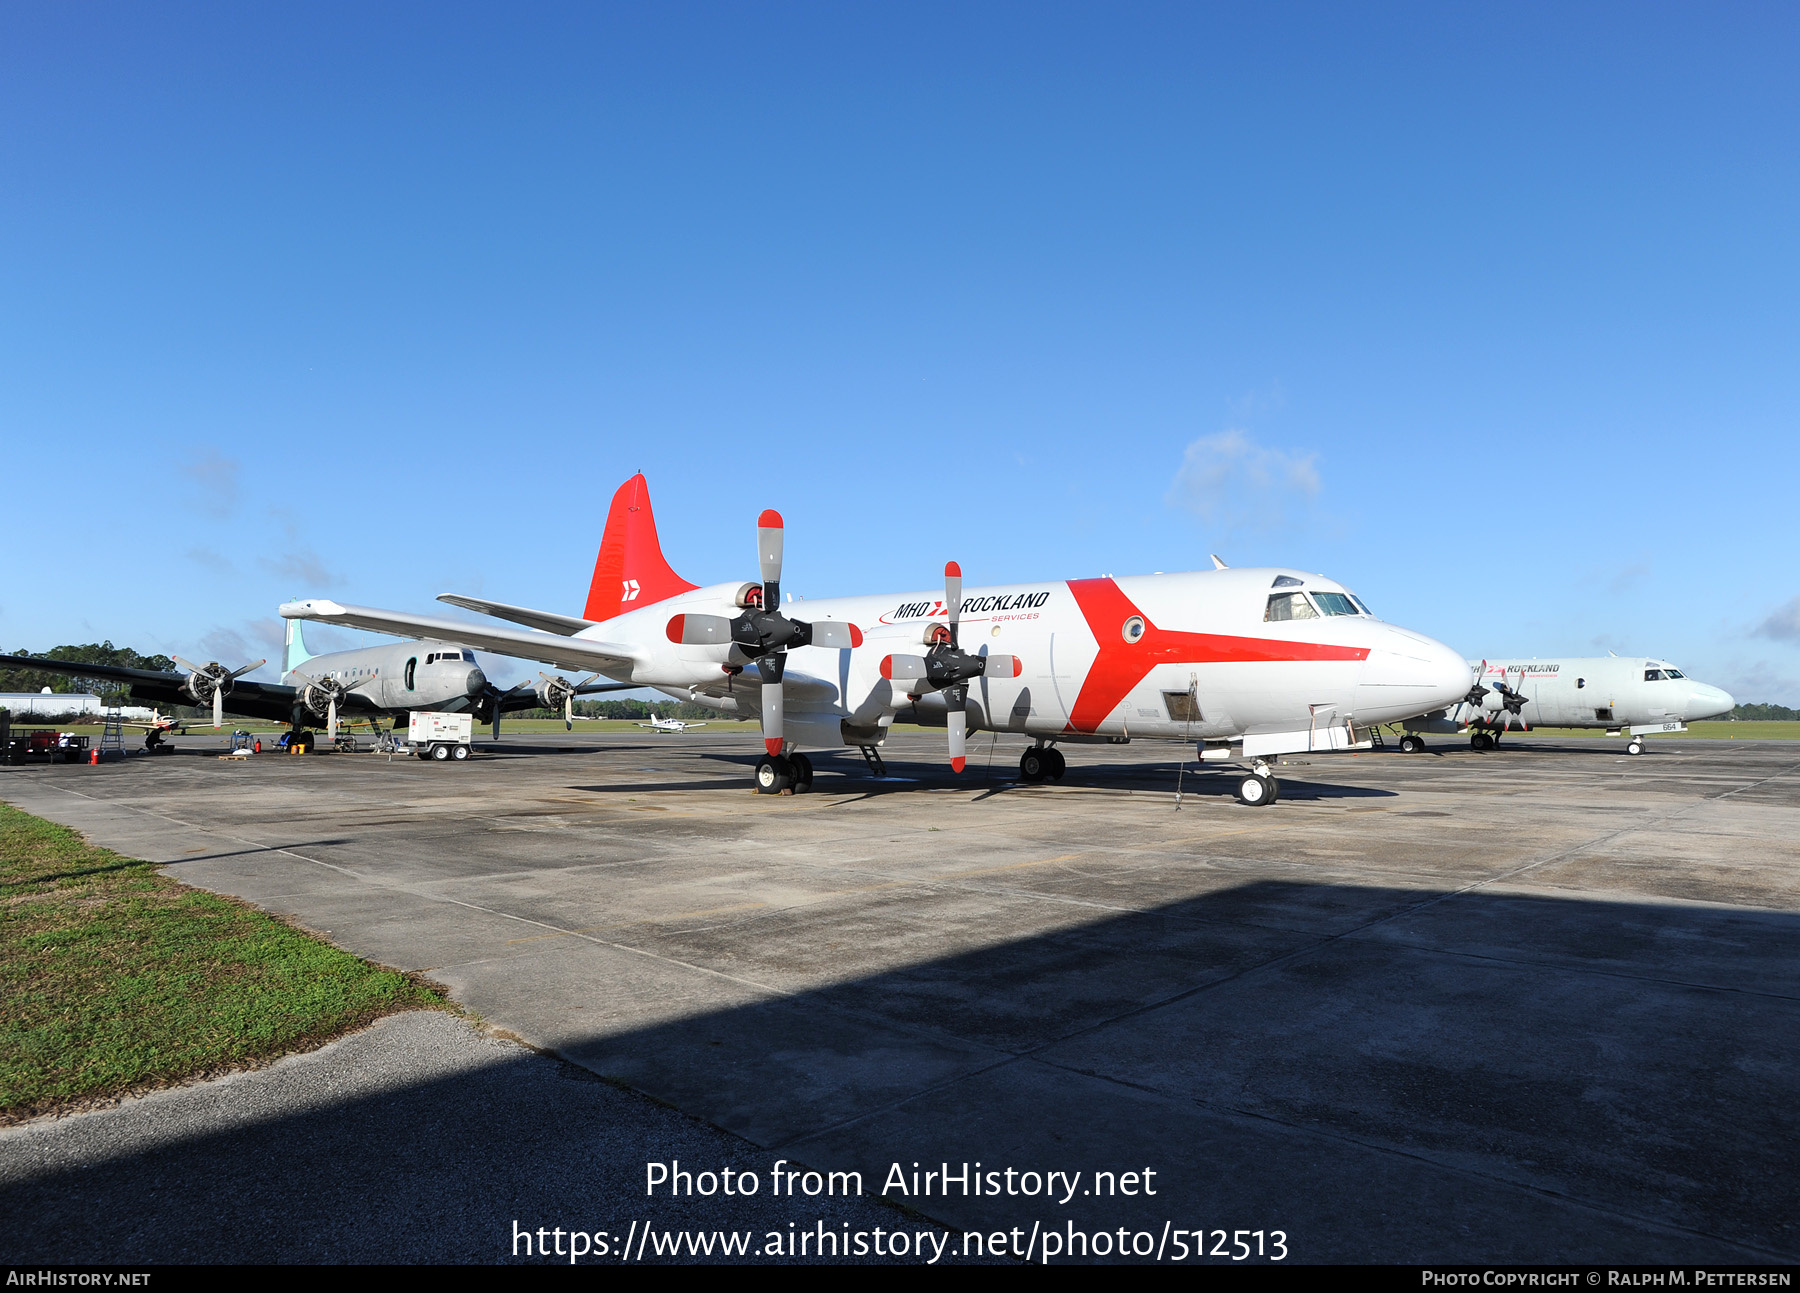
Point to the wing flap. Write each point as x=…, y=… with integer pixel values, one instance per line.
x=548, y=621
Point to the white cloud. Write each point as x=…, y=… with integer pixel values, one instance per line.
x=217, y=477
x=1783, y=624
x=1230, y=481
x=303, y=565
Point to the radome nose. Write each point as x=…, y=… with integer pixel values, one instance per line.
x=1709, y=702
x=1407, y=674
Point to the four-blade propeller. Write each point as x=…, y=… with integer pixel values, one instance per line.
x=946, y=667
x=212, y=681
x=762, y=634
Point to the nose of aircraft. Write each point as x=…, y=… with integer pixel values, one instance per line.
x=1709, y=702
x=1408, y=674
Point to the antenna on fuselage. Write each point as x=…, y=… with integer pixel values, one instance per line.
x=1217, y=564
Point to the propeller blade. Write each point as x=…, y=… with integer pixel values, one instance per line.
x=238, y=673
x=1002, y=666
x=698, y=630
x=218, y=708
x=769, y=532
x=959, y=728
x=953, y=596
x=568, y=714
x=834, y=634
x=331, y=718
x=496, y=721
x=772, y=718
x=189, y=665
x=902, y=668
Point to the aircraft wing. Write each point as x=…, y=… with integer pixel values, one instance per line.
x=548, y=621
x=550, y=648
x=245, y=699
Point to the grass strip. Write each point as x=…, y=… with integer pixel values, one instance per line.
x=113, y=977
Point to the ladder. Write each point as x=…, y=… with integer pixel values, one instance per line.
x=112, y=736
x=872, y=757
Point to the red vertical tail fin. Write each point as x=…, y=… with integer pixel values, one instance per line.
x=630, y=571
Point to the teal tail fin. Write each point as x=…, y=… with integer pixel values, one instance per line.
x=295, y=653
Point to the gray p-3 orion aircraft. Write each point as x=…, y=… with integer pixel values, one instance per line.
x=365, y=684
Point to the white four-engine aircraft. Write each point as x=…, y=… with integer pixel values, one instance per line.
x=1263, y=661
x=1616, y=694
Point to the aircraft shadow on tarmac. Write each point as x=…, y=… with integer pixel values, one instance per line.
x=1385, y=1074
x=847, y=774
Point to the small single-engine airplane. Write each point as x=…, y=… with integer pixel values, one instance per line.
x=364, y=684
x=1265, y=661
x=658, y=723
x=1620, y=695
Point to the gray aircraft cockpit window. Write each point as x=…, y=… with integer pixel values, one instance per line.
x=1289, y=606
x=1653, y=675
x=1365, y=606
x=1673, y=673
x=1335, y=603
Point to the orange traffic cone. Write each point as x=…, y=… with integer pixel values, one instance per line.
x=93, y=758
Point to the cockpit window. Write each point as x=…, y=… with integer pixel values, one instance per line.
x=450, y=655
x=1286, y=581
x=1289, y=606
x=1335, y=603
x=1653, y=675
x=1365, y=606
x=1673, y=673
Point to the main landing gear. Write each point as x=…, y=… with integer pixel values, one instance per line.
x=1412, y=743
x=1260, y=788
x=783, y=774
x=1636, y=746
x=1480, y=741
x=1041, y=762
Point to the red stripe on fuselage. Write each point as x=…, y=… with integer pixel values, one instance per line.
x=1122, y=665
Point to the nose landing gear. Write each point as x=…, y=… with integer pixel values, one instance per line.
x=1260, y=788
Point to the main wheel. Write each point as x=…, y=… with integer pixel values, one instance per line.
x=773, y=775
x=1479, y=742
x=1636, y=747
x=459, y=752
x=440, y=753
x=803, y=773
x=1256, y=791
x=1410, y=744
x=1058, y=764
x=1033, y=766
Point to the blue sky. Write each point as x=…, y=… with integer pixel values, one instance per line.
x=1488, y=311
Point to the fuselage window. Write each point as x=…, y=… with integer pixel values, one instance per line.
x=1289, y=606
x=1335, y=603
x=1580, y=683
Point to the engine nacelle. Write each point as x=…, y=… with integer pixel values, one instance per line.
x=554, y=693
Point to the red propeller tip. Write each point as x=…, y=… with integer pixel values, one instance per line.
x=856, y=638
x=887, y=667
x=770, y=519
x=952, y=570
x=773, y=745
x=674, y=629
x=956, y=765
